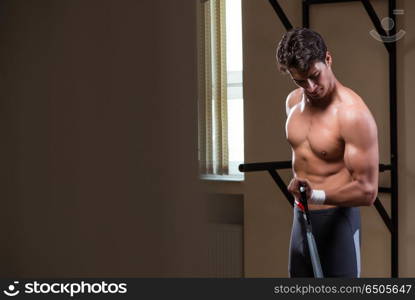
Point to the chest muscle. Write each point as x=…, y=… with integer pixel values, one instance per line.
x=314, y=135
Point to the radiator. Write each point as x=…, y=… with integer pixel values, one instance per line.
x=226, y=250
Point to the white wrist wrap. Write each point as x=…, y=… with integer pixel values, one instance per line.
x=318, y=197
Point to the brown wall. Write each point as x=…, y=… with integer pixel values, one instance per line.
x=99, y=136
x=360, y=62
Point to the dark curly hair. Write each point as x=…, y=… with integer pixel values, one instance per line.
x=299, y=48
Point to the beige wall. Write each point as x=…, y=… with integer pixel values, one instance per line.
x=98, y=118
x=360, y=62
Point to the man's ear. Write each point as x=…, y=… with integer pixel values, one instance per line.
x=329, y=59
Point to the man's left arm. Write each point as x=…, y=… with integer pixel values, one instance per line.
x=361, y=158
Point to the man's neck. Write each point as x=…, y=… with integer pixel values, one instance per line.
x=324, y=102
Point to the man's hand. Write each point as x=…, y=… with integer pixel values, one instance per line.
x=294, y=188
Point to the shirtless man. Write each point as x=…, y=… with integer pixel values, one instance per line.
x=334, y=144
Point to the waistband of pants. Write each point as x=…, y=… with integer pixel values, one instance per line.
x=298, y=206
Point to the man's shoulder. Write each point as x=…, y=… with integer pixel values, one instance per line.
x=352, y=106
x=293, y=98
x=350, y=98
x=353, y=114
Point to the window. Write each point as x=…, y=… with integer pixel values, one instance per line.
x=221, y=145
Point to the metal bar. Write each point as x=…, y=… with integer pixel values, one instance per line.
x=306, y=14
x=375, y=20
x=271, y=166
x=283, y=17
x=312, y=247
x=383, y=167
x=394, y=143
x=265, y=166
x=382, y=212
x=327, y=1
x=277, y=165
x=385, y=190
x=283, y=187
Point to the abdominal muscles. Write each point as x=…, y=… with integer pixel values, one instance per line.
x=322, y=174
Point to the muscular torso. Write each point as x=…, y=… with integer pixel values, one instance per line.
x=318, y=148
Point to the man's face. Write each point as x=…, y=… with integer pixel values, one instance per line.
x=316, y=82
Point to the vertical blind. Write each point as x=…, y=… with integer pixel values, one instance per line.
x=213, y=115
